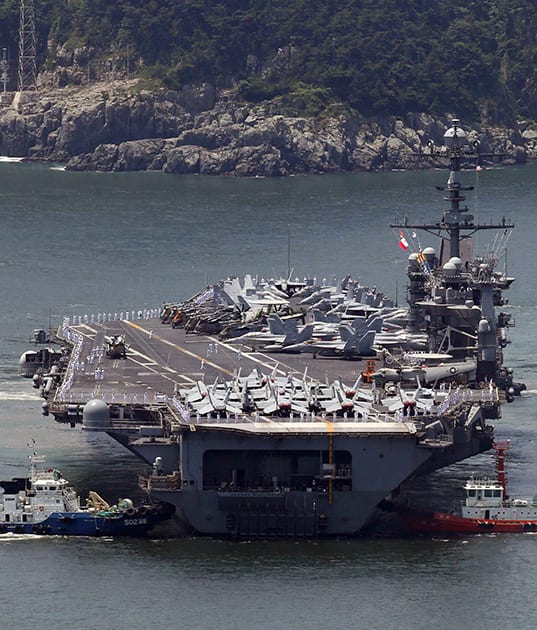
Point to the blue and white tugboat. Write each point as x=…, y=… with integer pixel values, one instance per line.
x=45, y=503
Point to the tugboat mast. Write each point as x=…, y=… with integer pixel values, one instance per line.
x=500, y=448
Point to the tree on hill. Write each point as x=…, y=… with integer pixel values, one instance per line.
x=377, y=57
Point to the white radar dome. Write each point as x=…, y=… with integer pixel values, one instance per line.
x=449, y=269
x=455, y=260
x=25, y=356
x=96, y=414
x=455, y=136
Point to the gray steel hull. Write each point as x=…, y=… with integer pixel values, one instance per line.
x=322, y=506
x=293, y=514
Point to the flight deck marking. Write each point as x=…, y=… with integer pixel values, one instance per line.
x=93, y=330
x=146, y=364
x=269, y=363
x=180, y=377
x=203, y=359
x=160, y=373
x=83, y=333
x=250, y=356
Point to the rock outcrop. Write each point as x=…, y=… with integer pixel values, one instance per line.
x=115, y=126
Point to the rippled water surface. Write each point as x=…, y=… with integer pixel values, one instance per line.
x=75, y=243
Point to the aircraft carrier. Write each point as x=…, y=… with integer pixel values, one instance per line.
x=278, y=408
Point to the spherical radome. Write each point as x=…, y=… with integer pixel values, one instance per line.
x=96, y=414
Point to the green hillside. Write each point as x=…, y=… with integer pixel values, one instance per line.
x=473, y=57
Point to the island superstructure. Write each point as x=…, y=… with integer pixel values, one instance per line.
x=277, y=408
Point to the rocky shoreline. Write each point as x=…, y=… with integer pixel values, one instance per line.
x=115, y=126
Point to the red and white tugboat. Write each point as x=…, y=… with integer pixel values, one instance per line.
x=487, y=508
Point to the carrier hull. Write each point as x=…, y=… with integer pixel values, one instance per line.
x=294, y=408
x=243, y=485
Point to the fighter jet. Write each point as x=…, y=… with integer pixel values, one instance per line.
x=402, y=339
x=280, y=402
x=278, y=338
x=412, y=400
x=215, y=403
x=350, y=345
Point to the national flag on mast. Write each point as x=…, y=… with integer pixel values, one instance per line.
x=403, y=243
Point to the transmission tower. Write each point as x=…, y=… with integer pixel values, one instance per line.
x=27, y=47
x=4, y=67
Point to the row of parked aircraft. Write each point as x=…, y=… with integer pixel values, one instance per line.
x=285, y=396
x=344, y=320
x=356, y=338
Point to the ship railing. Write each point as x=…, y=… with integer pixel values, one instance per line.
x=309, y=417
x=112, y=397
x=463, y=396
x=103, y=318
x=184, y=414
x=442, y=439
x=160, y=482
x=228, y=489
x=71, y=499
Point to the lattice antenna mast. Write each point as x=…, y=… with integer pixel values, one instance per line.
x=27, y=47
x=4, y=67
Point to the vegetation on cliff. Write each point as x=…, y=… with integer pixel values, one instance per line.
x=377, y=57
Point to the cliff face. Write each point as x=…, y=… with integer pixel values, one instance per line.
x=115, y=127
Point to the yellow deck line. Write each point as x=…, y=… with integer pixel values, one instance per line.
x=181, y=349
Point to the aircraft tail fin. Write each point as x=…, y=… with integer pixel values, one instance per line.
x=365, y=345
x=347, y=332
x=243, y=304
x=374, y=324
x=294, y=337
x=276, y=325
x=359, y=323
x=319, y=316
x=362, y=346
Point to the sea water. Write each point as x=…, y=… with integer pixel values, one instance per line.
x=82, y=243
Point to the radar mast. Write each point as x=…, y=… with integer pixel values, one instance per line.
x=456, y=222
